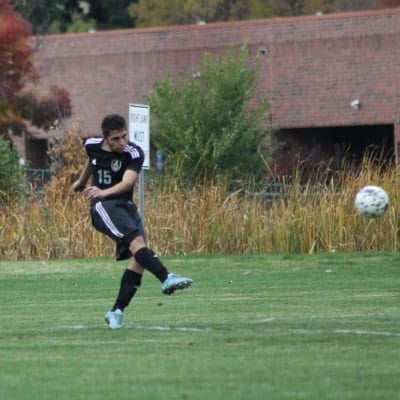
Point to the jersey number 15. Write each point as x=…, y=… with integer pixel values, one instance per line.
x=104, y=176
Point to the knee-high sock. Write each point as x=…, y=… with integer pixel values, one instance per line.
x=130, y=283
x=150, y=261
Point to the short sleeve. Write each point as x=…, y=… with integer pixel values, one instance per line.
x=135, y=157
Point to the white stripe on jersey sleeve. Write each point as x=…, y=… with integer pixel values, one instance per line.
x=93, y=141
x=132, y=151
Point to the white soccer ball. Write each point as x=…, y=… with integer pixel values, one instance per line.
x=371, y=201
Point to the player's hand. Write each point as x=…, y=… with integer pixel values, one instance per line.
x=93, y=192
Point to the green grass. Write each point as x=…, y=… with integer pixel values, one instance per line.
x=279, y=326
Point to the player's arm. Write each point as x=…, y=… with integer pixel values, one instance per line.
x=128, y=180
x=80, y=184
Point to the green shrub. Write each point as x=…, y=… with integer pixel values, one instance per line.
x=10, y=170
x=208, y=126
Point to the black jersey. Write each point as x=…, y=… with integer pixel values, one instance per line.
x=108, y=167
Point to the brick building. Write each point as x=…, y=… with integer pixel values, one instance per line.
x=329, y=78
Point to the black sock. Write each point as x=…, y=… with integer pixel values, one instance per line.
x=150, y=261
x=130, y=283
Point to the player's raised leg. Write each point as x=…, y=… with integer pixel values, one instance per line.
x=149, y=260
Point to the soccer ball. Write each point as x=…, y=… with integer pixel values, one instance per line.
x=371, y=201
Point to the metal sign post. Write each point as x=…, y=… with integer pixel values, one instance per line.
x=139, y=132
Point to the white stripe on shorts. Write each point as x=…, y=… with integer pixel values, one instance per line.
x=107, y=220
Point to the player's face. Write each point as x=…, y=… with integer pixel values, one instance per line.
x=117, y=140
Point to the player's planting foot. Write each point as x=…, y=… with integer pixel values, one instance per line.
x=114, y=319
x=175, y=282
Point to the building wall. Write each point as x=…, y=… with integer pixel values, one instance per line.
x=312, y=69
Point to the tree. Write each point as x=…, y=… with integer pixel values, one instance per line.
x=59, y=16
x=21, y=108
x=177, y=12
x=43, y=14
x=18, y=107
x=111, y=14
x=16, y=67
x=332, y=6
x=10, y=170
x=207, y=126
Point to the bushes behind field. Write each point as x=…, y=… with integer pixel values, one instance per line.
x=294, y=216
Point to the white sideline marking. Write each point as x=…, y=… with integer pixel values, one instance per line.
x=319, y=331
x=78, y=327
x=361, y=332
x=174, y=328
x=289, y=330
x=73, y=327
x=342, y=331
x=151, y=328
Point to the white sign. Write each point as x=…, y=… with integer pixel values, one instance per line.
x=139, y=129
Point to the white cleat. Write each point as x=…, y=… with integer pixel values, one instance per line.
x=114, y=319
x=175, y=282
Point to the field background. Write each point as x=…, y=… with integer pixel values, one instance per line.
x=307, y=212
x=276, y=326
x=296, y=296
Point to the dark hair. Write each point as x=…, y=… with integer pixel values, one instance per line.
x=112, y=122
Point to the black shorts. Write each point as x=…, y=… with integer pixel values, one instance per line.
x=120, y=221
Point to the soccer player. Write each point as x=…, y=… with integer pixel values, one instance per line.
x=114, y=164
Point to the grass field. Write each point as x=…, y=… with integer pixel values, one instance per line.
x=262, y=327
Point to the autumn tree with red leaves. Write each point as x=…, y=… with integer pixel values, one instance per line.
x=16, y=67
x=20, y=107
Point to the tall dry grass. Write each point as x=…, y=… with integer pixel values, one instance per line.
x=209, y=219
x=307, y=218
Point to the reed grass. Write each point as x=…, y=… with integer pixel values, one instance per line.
x=309, y=217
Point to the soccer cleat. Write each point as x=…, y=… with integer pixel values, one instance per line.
x=175, y=282
x=114, y=319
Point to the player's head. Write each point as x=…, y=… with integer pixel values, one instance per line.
x=114, y=132
x=112, y=122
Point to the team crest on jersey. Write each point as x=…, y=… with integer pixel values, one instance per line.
x=116, y=165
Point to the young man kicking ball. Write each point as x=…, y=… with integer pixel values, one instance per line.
x=114, y=164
